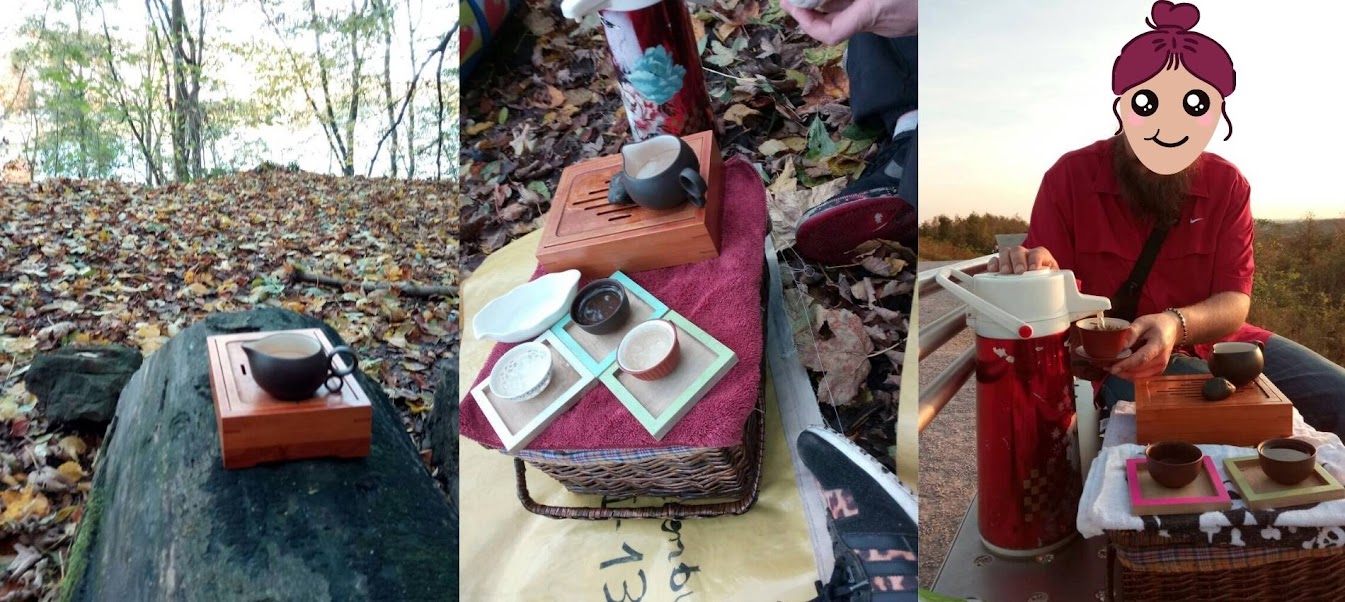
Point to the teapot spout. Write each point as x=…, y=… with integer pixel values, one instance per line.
x=1080, y=305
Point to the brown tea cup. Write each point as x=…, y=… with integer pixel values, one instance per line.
x=649, y=351
x=1174, y=463
x=1103, y=339
x=1287, y=461
x=1239, y=363
x=601, y=307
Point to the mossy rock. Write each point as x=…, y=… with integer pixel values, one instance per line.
x=165, y=521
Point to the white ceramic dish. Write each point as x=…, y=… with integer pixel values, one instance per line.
x=528, y=310
x=522, y=372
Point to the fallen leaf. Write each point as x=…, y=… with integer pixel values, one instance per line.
x=72, y=471
x=840, y=351
x=737, y=113
x=770, y=148
x=22, y=504
x=883, y=266
x=71, y=446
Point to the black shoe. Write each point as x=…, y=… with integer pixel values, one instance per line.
x=880, y=204
x=873, y=521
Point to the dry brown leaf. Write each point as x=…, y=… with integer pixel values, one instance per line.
x=22, y=504
x=737, y=113
x=72, y=471
x=883, y=266
x=72, y=447
x=840, y=351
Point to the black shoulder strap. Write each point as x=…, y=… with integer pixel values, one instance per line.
x=1125, y=304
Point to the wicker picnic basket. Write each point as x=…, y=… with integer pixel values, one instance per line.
x=1226, y=573
x=724, y=473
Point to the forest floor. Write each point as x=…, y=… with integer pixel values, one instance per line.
x=104, y=262
x=547, y=98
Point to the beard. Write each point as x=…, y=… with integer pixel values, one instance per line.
x=1156, y=199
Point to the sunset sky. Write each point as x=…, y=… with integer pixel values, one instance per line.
x=1007, y=86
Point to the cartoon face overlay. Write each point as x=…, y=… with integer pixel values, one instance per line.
x=1169, y=119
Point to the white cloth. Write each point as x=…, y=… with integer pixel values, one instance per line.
x=1105, y=504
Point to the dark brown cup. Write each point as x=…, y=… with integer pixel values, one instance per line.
x=1103, y=344
x=601, y=307
x=1174, y=463
x=1287, y=461
x=1240, y=363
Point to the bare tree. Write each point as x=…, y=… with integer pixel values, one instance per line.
x=139, y=119
x=187, y=50
x=439, y=50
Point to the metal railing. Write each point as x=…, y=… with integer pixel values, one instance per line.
x=936, y=395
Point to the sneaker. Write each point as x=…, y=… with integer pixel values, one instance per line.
x=873, y=522
x=880, y=204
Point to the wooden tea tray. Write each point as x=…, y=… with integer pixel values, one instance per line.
x=253, y=427
x=584, y=232
x=1206, y=493
x=519, y=422
x=597, y=352
x=1261, y=493
x=660, y=404
x=1172, y=408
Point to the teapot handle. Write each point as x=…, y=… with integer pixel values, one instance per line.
x=1004, y=318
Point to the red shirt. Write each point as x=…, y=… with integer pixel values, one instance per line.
x=1080, y=218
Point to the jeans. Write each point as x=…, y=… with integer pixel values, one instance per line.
x=883, y=87
x=1314, y=384
x=883, y=83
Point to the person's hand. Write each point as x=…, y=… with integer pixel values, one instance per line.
x=888, y=18
x=1018, y=259
x=1158, y=333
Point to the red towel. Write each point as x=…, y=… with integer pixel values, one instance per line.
x=722, y=296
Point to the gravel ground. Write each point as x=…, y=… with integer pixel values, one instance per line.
x=947, y=447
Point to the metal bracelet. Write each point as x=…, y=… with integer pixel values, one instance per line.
x=1185, y=333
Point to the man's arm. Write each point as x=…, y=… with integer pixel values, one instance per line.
x=1210, y=320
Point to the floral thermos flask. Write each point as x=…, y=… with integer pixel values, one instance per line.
x=654, y=50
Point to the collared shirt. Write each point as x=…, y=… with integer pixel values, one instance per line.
x=1080, y=218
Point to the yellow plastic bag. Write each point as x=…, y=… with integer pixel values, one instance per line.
x=508, y=553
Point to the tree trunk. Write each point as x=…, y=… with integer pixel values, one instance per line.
x=385, y=17
x=177, y=27
x=411, y=96
x=357, y=65
x=165, y=521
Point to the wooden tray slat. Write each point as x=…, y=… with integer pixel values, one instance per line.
x=584, y=232
x=1171, y=407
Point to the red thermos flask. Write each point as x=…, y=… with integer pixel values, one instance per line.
x=1027, y=458
x=654, y=50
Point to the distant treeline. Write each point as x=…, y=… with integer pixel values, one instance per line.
x=957, y=237
x=1299, y=291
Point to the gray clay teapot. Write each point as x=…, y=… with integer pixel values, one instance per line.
x=659, y=173
x=292, y=366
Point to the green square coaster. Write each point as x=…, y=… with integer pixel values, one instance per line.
x=658, y=405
